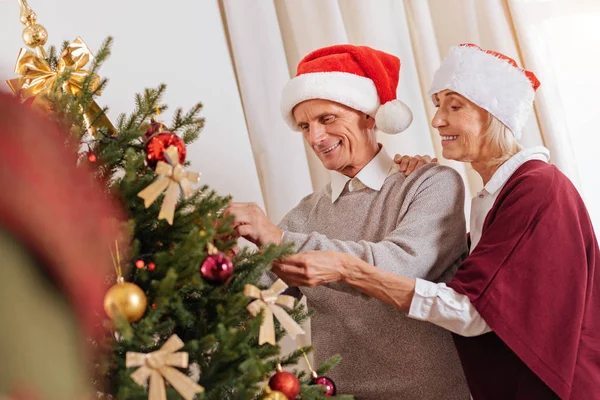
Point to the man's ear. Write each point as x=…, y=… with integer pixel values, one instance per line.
x=369, y=121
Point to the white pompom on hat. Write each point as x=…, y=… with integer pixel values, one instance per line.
x=491, y=80
x=359, y=77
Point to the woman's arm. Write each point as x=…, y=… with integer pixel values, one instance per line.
x=315, y=268
x=421, y=299
x=385, y=286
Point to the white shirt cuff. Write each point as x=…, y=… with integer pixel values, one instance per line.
x=441, y=305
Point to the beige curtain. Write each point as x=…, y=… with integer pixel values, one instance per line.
x=268, y=37
x=419, y=32
x=262, y=70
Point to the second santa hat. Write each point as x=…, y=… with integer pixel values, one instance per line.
x=491, y=80
x=359, y=77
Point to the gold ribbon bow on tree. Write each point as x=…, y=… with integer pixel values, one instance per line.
x=158, y=367
x=271, y=300
x=38, y=77
x=174, y=178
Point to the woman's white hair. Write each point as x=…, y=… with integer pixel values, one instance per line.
x=499, y=141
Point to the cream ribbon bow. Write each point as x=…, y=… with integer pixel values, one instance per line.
x=172, y=177
x=271, y=300
x=158, y=367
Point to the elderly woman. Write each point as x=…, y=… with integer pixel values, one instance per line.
x=525, y=304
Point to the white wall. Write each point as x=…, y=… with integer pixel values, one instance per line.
x=181, y=43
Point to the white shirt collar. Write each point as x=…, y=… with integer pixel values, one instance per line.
x=512, y=164
x=373, y=175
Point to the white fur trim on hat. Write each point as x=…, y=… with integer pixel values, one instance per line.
x=351, y=90
x=488, y=81
x=356, y=92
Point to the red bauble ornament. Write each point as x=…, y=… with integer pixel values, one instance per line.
x=216, y=269
x=330, y=389
x=140, y=264
x=92, y=158
x=286, y=383
x=151, y=266
x=157, y=144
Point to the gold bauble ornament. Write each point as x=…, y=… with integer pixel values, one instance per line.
x=35, y=35
x=127, y=298
x=273, y=395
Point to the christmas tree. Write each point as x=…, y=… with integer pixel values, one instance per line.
x=180, y=291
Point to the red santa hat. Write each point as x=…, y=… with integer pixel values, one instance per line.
x=359, y=77
x=491, y=80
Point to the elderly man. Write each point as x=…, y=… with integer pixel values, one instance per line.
x=410, y=226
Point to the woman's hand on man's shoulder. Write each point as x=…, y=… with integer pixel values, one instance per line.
x=409, y=164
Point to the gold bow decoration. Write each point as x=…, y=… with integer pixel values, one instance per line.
x=173, y=178
x=38, y=78
x=158, y=367
x=271, y=300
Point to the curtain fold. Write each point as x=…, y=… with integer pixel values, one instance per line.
x=262, y=71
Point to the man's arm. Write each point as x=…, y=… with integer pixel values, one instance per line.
x=430, y=237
